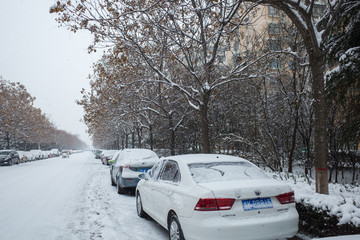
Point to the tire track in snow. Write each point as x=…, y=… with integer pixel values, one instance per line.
x=104, y=214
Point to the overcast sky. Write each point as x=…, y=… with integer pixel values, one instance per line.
x=51, y=62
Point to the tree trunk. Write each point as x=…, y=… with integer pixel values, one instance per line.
x=293, y=143
x=151, y=137
x=316, y=60
x=204, y=124
x=133, y=139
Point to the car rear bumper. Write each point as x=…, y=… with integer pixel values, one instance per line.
x=129, y=182
x=284, y=225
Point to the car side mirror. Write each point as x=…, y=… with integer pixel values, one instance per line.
x=142, y=176
x=111, y=162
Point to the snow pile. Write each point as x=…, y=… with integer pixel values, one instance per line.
x=343, y=201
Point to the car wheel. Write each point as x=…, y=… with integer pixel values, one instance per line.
x=10, y=162
x=120, y=190
x=139, y=208
x=17, y=162
x=175, y=231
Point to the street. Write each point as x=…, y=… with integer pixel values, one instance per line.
x=68, y=199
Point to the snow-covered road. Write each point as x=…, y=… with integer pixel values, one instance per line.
x=68, y=199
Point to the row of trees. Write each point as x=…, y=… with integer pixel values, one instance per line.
x=25, y=127
x=165, y=81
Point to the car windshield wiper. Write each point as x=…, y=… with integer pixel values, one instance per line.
x=215, y=169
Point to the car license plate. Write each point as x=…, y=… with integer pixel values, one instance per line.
x=255, y=204
x=144, y=170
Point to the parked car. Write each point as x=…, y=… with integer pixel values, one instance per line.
x=9, y=157
x=25, y=156
x=22, y=156
x=55, y=152
x=130, y=163
x=65, y=153
x=98, y=154
x=112, y=163
x=38, y=154
x=208, y=196
x=107, y=155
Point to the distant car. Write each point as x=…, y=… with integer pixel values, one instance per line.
x=65, y=153
x=25, y=156
x=22, y=156
x=9, y=157
x=98, y=154
x=130, y=163
x=208, y=196
x=107, y=155
x=55, y=152
x=38, y=154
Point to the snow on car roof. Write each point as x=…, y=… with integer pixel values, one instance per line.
x=139, y=153
x=193, y=158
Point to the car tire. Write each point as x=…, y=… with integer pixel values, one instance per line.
x=120, y=190
x=139, y=208
x=175, y=231
x=10, y=162
x=17, y=161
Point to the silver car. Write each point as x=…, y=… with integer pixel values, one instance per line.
x=129, y=164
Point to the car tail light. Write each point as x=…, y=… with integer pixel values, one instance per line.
x=214, y=204
x=286, y=198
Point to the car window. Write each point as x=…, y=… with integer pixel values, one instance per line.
x=155, y=170
x=171, y=172
x=118, y=159
x=225, y=171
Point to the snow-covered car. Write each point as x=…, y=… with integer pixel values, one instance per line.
x=130, y=163
x=107, y=155
x=9, y=157
x=25, y=156
x=55, y=152
x=38, y=154
x=208, y=196
x=98, y=154
x=112, y=163
x=22, y=156
x=65, y=153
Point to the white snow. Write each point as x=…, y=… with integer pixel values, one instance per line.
x=343, y=201
x=72, y=198
x=68, y=198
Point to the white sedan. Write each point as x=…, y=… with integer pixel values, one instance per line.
x=209, y=196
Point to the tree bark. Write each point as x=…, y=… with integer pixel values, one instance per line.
x=316, y=60
x=204, y=123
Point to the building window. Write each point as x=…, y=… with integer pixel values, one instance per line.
x=274, y=12
x=274, y=28
x=275, y=64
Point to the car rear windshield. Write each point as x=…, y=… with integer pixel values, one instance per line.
x=4, y=153
x=225, y=171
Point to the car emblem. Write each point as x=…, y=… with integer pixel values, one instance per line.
x=257, y=193
x=238, y=195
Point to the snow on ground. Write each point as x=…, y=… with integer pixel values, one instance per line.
x=73, y=199
x=343, y=200
x=68, y=198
